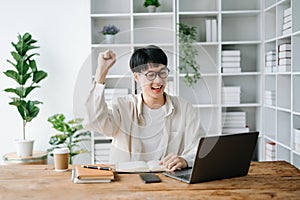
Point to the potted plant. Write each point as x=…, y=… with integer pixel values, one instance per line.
x=109, y=31
x=27, y=76
x=71, y=135
x=151, y=5
x=188, y=53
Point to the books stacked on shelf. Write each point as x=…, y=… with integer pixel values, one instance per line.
x=231, y=61
x=270, y=151
x=110, y=93
x=284, y=57
x=297, y=139
x=231, y=95
x=211, y=30
x=102, y=150
x=270, y=97
x=270, y=61
x=81, y=174
x=234, y=122
x=287, y=21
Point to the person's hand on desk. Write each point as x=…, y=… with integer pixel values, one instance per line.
x=174, y=162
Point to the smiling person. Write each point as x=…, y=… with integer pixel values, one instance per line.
x=151, y=125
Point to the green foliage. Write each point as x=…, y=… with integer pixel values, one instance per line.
x=27, y=76
x=71, y=135
x=151, y=3
x=188, y=53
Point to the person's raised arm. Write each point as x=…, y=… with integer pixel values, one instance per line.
x=105, y=62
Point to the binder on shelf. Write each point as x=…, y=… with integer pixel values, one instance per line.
x=287, y=12
x=208, y=30
x=214, y=30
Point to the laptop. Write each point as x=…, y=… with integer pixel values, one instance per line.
x=219, y=157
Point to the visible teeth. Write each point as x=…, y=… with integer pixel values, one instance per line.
x=157, y=87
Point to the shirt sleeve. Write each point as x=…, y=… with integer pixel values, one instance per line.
x=194, y=132
x=98, y=117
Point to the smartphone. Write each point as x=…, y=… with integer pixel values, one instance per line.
x=150, y=178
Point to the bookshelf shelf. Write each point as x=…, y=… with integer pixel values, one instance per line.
x=281, y=118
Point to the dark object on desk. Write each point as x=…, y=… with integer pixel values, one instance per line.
x=96, y=167
x=220, y=157
x=150, y=178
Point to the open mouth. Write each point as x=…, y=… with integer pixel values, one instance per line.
x=157, y=88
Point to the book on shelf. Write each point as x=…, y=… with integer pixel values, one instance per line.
x=230, y=64
x=86, y=175
x=233, y=89
x=208, y=30
x=231, y=58
x=271, y=57
x=287, y=25
x=270, y=63
x=284, y=68
x=231, y=69
x=214, y=30
x=270, y=151
x=297, y=139
x=287, y=12
x=285, y=61
x=284, y=47
x=287, y=18
x=269, y=97
x=233, y=113
x=284, y=54
x=268, y=69
x=272, y=52
x=231, y=53
x=140, y=166
x=287, y=31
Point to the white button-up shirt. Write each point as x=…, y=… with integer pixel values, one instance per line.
x=125, y=120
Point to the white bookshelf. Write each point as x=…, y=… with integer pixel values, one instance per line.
x=248, y=26
x=280, y=119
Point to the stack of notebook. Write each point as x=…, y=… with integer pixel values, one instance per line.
x=81, y=174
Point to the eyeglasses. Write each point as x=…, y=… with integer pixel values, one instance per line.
x=151, y=75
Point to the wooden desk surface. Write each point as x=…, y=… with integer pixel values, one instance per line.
x=266, y=180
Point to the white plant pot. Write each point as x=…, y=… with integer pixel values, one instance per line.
x=151, y=8
x=24, y=147
x=110, y=39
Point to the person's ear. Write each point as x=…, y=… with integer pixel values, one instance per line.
x=136, y=77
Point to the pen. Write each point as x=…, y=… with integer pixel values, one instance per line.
x=96, y=167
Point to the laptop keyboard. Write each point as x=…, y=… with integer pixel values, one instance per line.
x=185, y=176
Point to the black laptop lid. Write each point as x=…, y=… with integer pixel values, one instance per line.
x=223, y=156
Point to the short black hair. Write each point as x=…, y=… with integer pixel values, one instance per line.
x=150, y=54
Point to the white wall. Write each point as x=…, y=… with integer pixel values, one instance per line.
x=62, y=29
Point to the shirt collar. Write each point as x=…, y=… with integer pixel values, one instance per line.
x=169, y=105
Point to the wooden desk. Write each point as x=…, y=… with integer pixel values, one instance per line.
x=266, y=180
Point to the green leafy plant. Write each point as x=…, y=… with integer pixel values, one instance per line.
x=188, y=53
x=110, y=30
x=27, y=76
x=151, y=3
x=71, y=135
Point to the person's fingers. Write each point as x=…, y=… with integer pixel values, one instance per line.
x=177, y=166
x=170, y=162
x=166, y=158
x=107, y=54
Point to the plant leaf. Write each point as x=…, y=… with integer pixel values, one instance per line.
x=39, y=75
x=27, y=90
x=57, y=139
x=12, y=74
